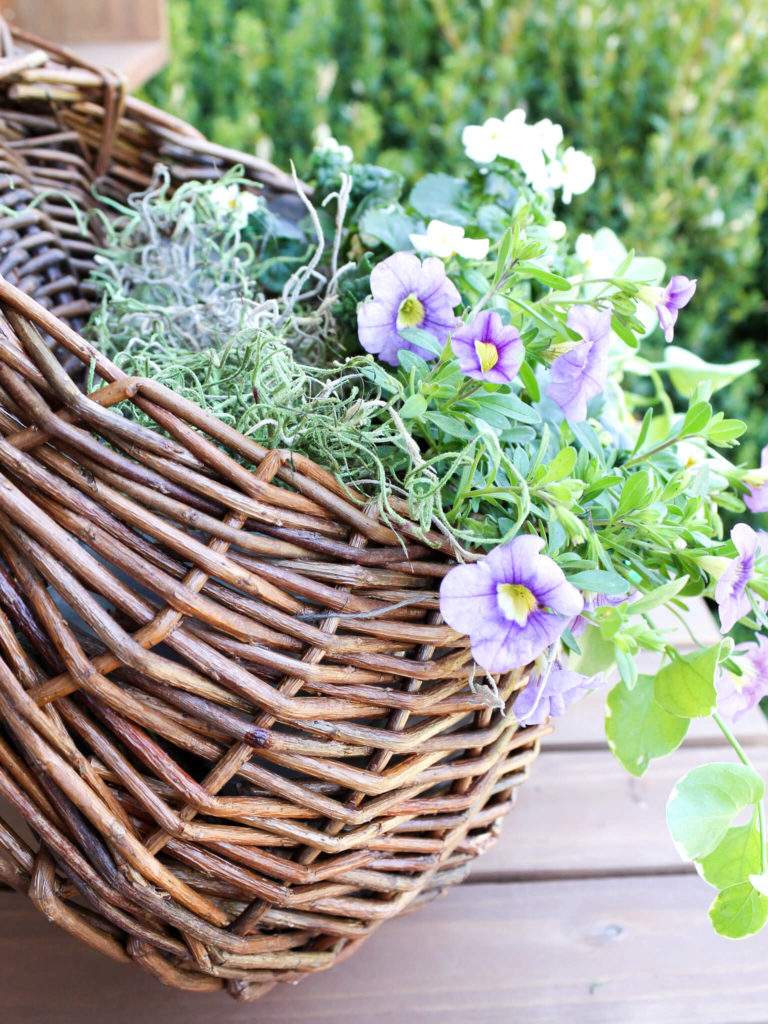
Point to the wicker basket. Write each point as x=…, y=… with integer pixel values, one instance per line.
x=234, y=757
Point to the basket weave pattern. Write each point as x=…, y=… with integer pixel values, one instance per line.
x=231, y=717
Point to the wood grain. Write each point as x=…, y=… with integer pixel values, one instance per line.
x=614, y=951
x=581, y=814
x=67, y=21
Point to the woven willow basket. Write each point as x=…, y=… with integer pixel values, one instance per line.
x=233, y=758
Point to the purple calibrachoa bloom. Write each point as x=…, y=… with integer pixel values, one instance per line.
x=756, y=499
x=731, y=591
x=512, y=604
x=487, y=350
x=578, y=375
x=406, y=293
x=678, y=293
x=550, y=690
x=736, y=695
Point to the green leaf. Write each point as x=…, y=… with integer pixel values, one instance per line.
x=686, y=686
x=636, y=492
x=560, y=467
x=704, y=803
x=637, y=728
x=597, y=653
x=392, y=227
x=439, y=197
x=450, y=425
x=600, y=582
x=414, y=407
x=546, y=277
x=422, y=339
x=738, y=911
x=531, y=385
x=686, y=370
x=723, y=432
x=661, y=595
x=645, y=270
x=621, y=329
x=735, y=859
x=697, y=418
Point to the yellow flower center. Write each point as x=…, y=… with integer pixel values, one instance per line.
x=488, y=355
x=516, y=602
x=411, y=312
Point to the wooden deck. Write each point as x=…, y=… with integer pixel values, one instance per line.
x=582, y=914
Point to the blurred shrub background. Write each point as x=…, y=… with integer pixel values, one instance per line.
x=670, y=100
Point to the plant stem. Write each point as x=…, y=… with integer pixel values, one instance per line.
x=742, y=756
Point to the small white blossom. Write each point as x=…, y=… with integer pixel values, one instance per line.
x=483, y=143
x=444, y=240
x=575, y=173
x=548, y=135
x=235, y=203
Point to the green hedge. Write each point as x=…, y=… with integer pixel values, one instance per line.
x=671, y=100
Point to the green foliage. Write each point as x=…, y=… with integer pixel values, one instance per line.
x=739, y=911
x=673, y=104
x=637, y=728
x=704, y=803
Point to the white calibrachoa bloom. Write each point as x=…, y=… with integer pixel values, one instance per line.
x=534, y=147
x=235, y=203
x=444, y=240
x=574, y=173
x=483, y=143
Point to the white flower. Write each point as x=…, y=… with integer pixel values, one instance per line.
x=484, y=142
x=444, y=240
x=575, y=175
x=329, y=145
x=548, y=135
x=235, y=203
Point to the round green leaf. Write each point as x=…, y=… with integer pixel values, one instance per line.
x=637, y=728
x=735, y=859
x=704, y=803
x=686, y=686
x=739, y=910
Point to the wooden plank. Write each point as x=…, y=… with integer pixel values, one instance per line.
x=583, y=726
x=624, y=951
x=67, y=21
x=580, y=814
x=136, y=60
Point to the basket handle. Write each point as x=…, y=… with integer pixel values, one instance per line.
x=114, y=83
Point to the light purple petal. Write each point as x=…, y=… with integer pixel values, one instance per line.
x=679, y=291
x=592, y=324
x=468, y=596
x=396, y=277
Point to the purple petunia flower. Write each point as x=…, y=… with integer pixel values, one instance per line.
x=736, y=695
x=577, y=376
x=731, y=590
x=406, y=293
x=550, y=690
x=487, y=350
x=513, y=604
x=757, y=498
x=677, y=294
